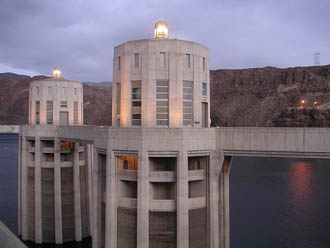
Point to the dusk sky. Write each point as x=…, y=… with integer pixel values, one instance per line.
x=78, y=36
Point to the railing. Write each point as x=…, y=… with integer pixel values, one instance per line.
x=128, y=175
x=162, y=176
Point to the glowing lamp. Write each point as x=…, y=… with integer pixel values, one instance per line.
x=161, y=30
x=315, y=102
x=303, y=102
x=56, y=73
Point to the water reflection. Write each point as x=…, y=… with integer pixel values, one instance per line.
x=300, y=182
x=280, y=202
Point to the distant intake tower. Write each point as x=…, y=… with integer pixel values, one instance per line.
x=53, y=187
x=56, y=101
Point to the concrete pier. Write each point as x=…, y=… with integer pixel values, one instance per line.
x=154, y=196
x=143, y=201
x=54, y=192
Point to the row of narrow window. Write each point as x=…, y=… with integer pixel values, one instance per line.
x=50, y=110
x=50, y=91
x=162, y=61
x=162, y=102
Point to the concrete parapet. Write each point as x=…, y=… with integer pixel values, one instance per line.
x=9, y=129
x=9, y=239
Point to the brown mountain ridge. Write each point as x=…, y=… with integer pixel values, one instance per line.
x=268, y=97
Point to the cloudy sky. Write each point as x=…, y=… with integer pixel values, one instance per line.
x=79, y=35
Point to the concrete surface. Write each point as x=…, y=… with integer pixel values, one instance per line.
x=9, y=129
x=9, y=239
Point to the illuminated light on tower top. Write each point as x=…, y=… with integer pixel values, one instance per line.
x=56, y=73
x=161, y=30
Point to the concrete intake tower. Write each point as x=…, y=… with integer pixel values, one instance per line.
x=54, y=201
x=159, y=177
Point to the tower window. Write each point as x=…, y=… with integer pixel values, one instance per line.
x=64, y=104
x=37, y=112
x=49, y=112
x=188, y=60
x=137, y=60
x=125, y=164
x=50, y=91
x=75, y=91
x=162, y=103
x=82, y=112
x=118, y=97
x=75, y=113
x=187, y=103
x=38, y=90
x=204, y=64
x=136, y=103
x=64, y=92
x=204, y=89
x=118, y=63
x=162, y=60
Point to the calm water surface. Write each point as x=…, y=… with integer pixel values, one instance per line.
x=275, y=202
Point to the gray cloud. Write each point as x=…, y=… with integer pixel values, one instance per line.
x=79, y=36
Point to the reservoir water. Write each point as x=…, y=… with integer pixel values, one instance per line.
x=274, y=202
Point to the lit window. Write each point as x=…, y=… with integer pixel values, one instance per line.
x=188, y=60
x=136, y=58
x=162, y=60
x=204, y=89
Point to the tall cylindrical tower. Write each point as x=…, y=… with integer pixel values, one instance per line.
x=54, y=200
x=55, y=101
x=161, y=82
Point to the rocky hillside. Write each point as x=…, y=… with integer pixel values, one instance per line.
x=271, y=97
x=249, y=97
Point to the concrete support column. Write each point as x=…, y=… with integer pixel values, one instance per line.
x=19, y=185
x=182, y=201
x=224, y=203
x=89, y=160
x=143, y=201
x=76, y=193
x=216, y=161
x=37, y=180
x=111, y=201
x=97, y=201
x=24, y=190
x=57, y=192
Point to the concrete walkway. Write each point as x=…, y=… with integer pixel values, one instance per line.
x=9, y=239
